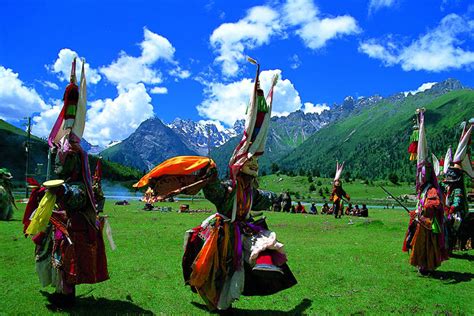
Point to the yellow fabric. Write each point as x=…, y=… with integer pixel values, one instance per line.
x=225, y=249
x=180, y=165
x=42, y=215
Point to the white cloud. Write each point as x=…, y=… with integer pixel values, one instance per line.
x=227, y=102
x=262, y=23
x=180, y=73
x=116, y=119
x=159, y=90
x=375, y=50
x=16, y=99
x=425, y=86
x=62, y=67
x=299, y=12
x=107, y=120
x=155, y=47
x=231, y=39
x=312, y=108
x=130, y=70
x=43, y=123
x=218, y=124
x=112, y=119
x=437, y=50
x=314, y=30
x=295, y=62
x=376, y=5
x=49, y=84
x=318, y=32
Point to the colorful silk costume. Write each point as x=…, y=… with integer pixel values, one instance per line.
x=230, y=253
x=62, y=220
x=459, y=219
x=425, y=236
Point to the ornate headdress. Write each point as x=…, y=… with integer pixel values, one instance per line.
x=339, y=168
x=461, y=156
x=69, y=126
x=257, y=123
x=448, y=158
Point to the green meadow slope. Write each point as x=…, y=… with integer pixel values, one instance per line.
x=374, y=142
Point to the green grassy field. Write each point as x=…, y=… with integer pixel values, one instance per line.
x=359, y=192
x=341, y=269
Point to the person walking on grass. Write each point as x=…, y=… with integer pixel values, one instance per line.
x=425, y=236
x=232, y=253
x=61, y=216
x=338, y=192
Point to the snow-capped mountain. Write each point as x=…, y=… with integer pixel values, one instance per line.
x=154, y=141
x=203, y=136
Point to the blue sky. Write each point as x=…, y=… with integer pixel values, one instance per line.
x=187, y=58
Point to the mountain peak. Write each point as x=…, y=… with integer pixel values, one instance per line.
x=447, y=85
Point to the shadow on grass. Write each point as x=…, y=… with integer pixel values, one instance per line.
x=91, y=306
x=297, y=310
x=464, y=256
x=453, y=277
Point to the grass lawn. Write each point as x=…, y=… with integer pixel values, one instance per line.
x=341, y=268
x=359, y=192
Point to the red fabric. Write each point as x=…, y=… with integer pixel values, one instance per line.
x=98, y=171
x=85, y=260
x=413, y=148
x=32, y=181
x=300, y=209
x=405, y=246
x=264, y=257
x=56, y=127
x=71, y=97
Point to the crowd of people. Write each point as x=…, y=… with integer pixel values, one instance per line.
x=350, y=210
x=442, y=221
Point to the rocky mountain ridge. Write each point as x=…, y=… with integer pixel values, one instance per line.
x=154, y=141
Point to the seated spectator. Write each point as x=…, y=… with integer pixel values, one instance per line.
x=148, y=207
x=276, y=206
x=313, y=209
x=356, y=210
x=300, y=208
x=325, y=209
x=330, y=211
x=364, y=212
x=349, y=209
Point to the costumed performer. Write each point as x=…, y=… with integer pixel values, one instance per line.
x=338, y=192
x=231, y=253
x=459, y=219
x=7, y=201
x=425, y=236
x=61, y=216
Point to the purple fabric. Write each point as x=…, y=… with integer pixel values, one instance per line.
x=238, y=250
x=255, y=227
x=278, y=258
